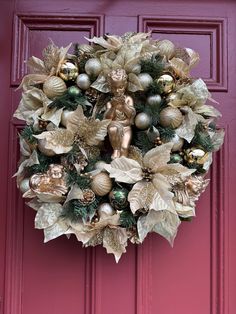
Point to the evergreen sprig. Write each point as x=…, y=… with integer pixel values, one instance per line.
x=153, y=66
x=28, y=134
x=202, y=139
x=75, y=210
x=142, y=141
x=166, y=134
x=81, y=180
x=44, y=162
x=127, y=219
x=69, y=102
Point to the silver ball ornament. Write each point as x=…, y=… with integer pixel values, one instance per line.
x=105, y=210
x=142, y=121
x=24, y=185
x=145, y=80
x=93, y=67
x=83, y=81
x=64, y=117
x=154, y=100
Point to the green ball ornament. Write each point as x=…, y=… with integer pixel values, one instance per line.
x=74, y=91
x=143, y=121
x=118, y=198
x=176, y=158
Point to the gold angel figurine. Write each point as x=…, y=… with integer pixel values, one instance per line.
x=120, y=109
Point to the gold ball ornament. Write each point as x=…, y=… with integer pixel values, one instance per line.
x=24, y=185
x=145, y=80
x=154, y=100
x=196, y=155
x=171, y=117
x=68, y=71
x=166, y=48
x=166, y=82
x=105, y=210
x=83, y=81
x=101, y=184
x=54, y=87
x=93, y=67
x=142, y=121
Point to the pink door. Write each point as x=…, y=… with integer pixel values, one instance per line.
x=197, y=276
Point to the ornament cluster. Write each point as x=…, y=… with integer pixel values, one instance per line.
x=118, y=139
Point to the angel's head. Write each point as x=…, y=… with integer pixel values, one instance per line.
x=55, y=171
x=117, y=80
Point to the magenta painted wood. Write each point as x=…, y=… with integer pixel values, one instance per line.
x=198, y=275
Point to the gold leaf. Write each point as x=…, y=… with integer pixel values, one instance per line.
x=75, y=120
x=187, y=128
x=101, y=84
x=47, y=215
x=208, y=111
x=133, y=83
x=125, y=170
x=53, y=115
x=36, y=65
x=115, y=241
x=158, y=156
x=56, y=230
x=75, y=193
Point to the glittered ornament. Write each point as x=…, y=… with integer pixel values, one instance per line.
x=74, y=91
x=145, y=80
x=101, y=184
x=195, y=155
x=54, y=87
x=83, y=81
x=171, y=117
x=24, y=185
x=93, y=67
x=154, y=100
x=68, y=71
x=142, y=121
x=166, y=48
x=118, y=198
x=167, y=83
x=105, y=210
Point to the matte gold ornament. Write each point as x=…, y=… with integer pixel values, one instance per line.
x=93, y=67
x=68, y=71
x=167, y=83
x=24, y=185
x=145, y=80
x=154, y=100
x=101, y=184
x=54, y=87
x=83, y=81
x=143, y=121
x=105, y=210
x=171, y=117
x=166, y=48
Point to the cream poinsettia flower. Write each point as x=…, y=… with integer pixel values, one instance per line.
x=151, y=188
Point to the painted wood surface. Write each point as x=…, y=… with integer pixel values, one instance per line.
x=197, y=276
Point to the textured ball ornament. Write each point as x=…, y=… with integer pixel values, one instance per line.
x=171, y=117
x=105, y=210
x=167, y=83
x=101, y=184
x=166, y=48
x=154, y=100
x=93, y=67
x=83, y=81
x=74, y=91
x=24, y=185
x=68, y=71
x=142, y=121
x=145, y=80
x=54, y=87
x=118, y=198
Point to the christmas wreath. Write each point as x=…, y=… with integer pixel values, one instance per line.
x=118, y=139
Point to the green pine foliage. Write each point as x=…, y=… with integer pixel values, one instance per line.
x=142, y=141
x=75, y=210
x=74, y=178
x=166, y=134
x=153, y=66
x=28, y=134
x=69, y=102
x=127, y=219
x=202, y=139
x=44, y=163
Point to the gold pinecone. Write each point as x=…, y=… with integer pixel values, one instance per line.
x=88, y=197
x=92, y=95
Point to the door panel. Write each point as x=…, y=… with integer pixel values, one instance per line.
x=197, y=276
